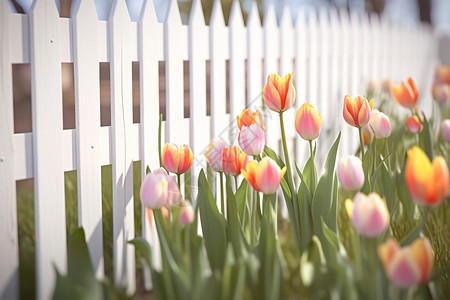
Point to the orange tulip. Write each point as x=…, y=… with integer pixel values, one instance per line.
x=442, y=75
x=427, y=182
x=177, y=159
x=414, y=124
x=356, y=111
x=249, y=117
x=279, y=93
x=406, y=94
x=308, y=122
x=264, y=176
x=234, y=160
x=407, y=266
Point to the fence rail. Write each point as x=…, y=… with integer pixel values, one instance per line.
x=332, y=53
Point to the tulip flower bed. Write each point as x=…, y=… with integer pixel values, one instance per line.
x=373, y=225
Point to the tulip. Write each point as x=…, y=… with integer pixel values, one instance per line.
x=379, y=125
x=407, y=266
x=413, y=124
x=251, y=139
x=264, y=176
x=154, y=191
x=279, y=93
x=214, y=154
x=372, y=87
x=445, y=129
x=427, y=182
x=386, y=86
x=234, y=160
x=177, y=159
x=249, y=117
x=351, y=173
x=370, y=215
x=356, y=111
x=308, y=122
x=187, y=214
x=406, y=94
x=442, y=75
x=173, y=192
x=441, y=93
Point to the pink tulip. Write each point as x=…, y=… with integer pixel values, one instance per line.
x=308, y=122
x=214, y=154
x=413, y=124
x=187, y=214
x=279, y=92
x=445, y=130
x=441, y=93
x=173, y=196
x=407, y=266
x=251, y=139
x=356, y=111
x=351, y=173
x=264, y=176
x=154, y=191
x=370, y=215
x=379, y=125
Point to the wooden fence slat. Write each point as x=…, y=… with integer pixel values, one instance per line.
x=87, y=116
x=199, y=126
x=50, y=222
x=254, y=59
x=149, y=37
x=121, y=143
x=9, y=248
x=237, y=48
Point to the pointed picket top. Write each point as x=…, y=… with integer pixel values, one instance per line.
x=344, y=17
x=355, y=20
x=148, y=12
x=119, y=10
x=286, y=18
x=323, y=18
x=365, y=20
x=217, y=18
x=41, y=5
x=334, y=17
x=300, y=19
x=270, y=18
x=253, y=19
x=173, y=13
x=374, y=21
x=312, y=19
x=236, y=19
x=196, y=16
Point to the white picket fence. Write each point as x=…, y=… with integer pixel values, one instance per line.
x=331, y=54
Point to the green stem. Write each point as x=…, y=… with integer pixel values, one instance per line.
x=235, y=183
x=179, y=184
x=253, y=218
x=413, y=234
x=310, y=148
x=361, y=141
x=222, y=198
x=159, y=141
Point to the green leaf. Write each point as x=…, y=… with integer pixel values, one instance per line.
x=387, y=186
x=272, y=154
x=427, y=137
x=323, y=198
x=233, y=277
x=147, y=170
x=213, y=224
x=234, y=229
x=403, y=195
x=142, y=245
x=285, y=188
x=330, y=236
x=241, y=198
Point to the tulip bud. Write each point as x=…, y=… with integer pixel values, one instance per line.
x=413, y=124
x=407, y=94
x=372, y=87
x=251, y=139
x=234, y=160
x=370, y=215
x=407, y=266
x=350, y=173
x=427, y=182
x=441, y=93
x=308, y=122
x=214, y=155
x=445, y=130
x=356, y=111
x=248, y=117
x=177, y=159
x=187, y=214
x=442, y=75
x=279, y=93
x=154, y=191
x=379, y=125
x=386, y=86
x=264, y=176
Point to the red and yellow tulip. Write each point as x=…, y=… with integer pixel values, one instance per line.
x=427, y=181
x=177, y=159
x=406, y=94
x=356, y=111
x=264, y=176
x=249, y=117
x=234, y=160
x=407, y=266
x=279, y=93
x=414, y=124
x=308, y=122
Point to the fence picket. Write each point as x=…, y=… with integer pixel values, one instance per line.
x=254, y=59
x=149, y=91
x=122, y=164
x=87, y=105
x=9, y=249
x=50, y=223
